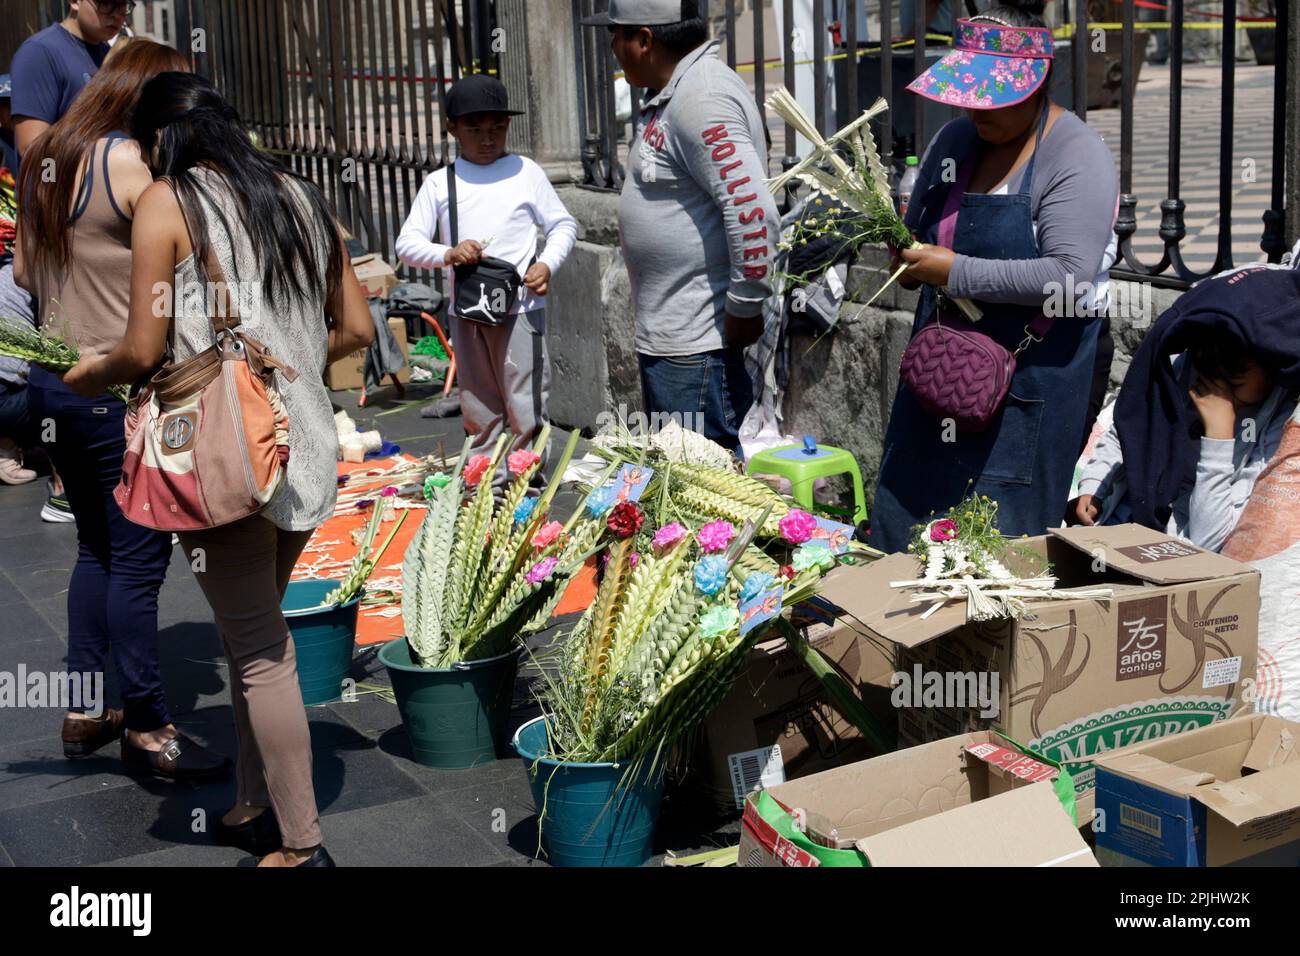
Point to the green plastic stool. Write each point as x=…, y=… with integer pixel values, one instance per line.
x=804, y=464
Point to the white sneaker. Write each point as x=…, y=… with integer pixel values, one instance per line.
x=54, y=513
x=56, y=510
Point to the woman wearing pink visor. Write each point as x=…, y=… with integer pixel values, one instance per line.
x=1016, y=205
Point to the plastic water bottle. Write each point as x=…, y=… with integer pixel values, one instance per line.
x=908, y=183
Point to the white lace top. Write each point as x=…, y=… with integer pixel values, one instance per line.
x=296, y=334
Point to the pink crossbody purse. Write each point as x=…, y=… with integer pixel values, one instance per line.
x=206, y=438
x=953, y=370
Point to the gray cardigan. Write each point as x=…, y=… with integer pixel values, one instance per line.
x=1074, y=198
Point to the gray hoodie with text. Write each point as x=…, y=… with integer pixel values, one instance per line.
x=697, y=223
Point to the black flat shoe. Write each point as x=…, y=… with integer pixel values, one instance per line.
x=179, y=759
x=320, y=858
x=258, y=836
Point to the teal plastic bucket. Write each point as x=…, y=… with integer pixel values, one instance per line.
x=323, y=638
x=588, y=819
x=455, y=717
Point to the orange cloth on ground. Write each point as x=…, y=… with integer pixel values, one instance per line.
x=375, y=629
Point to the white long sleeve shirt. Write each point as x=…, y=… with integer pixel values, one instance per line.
x=507, y=201
x=1226, y=471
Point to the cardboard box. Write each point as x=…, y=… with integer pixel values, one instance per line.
x=1225, y=794
x=349, y=371
x=1170, y=652
x=376, y=276
x=971, y=800
x=776, y=723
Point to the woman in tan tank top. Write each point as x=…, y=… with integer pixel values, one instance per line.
x=80, y=183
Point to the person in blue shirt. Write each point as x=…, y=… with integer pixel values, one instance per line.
x=52, y=66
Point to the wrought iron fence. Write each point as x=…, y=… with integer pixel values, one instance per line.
x=838, y=57
x=350, y=92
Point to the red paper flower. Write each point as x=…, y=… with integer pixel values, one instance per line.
x=787, y=572
x=625, y=519
x=520, y=461
x=944, y=530
x=475, y=467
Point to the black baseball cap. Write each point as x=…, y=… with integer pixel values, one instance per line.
x=478, y=93
x=638, y=13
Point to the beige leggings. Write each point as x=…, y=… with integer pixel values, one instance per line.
x=244, y=571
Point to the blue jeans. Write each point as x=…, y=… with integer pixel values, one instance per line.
x=113, y=594
x=709, y=392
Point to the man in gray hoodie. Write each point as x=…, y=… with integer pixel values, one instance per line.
x=697, y=224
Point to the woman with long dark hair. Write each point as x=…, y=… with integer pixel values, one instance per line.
x=1015, y=206
x=80, y=189
x=223, y=209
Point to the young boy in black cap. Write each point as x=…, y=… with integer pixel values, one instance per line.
x=479, y=216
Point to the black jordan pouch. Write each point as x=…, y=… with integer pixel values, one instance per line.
x=487, y=290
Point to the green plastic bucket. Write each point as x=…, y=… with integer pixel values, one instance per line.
x=455, y=717
x=323, y=638
x=589, y=820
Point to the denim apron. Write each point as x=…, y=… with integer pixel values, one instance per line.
x=1025, y=459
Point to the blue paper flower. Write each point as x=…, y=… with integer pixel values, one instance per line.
x=756, y=584
x=525, y=510
x=598, y=501
x=711, y=574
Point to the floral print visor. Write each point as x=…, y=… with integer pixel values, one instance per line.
x=992, y=66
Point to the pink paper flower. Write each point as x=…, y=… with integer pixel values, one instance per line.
x=520, y=461
x=668, y=537
x=474, y=469
x=715, y=536
x=797, y=526
x=540, y=571
x=944, y=530
x=388, y=492
x=546, y=534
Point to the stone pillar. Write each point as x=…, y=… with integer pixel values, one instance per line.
x=539, y=67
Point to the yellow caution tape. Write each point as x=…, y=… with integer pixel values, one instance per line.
x=1061, y=33
x=1139, y=25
